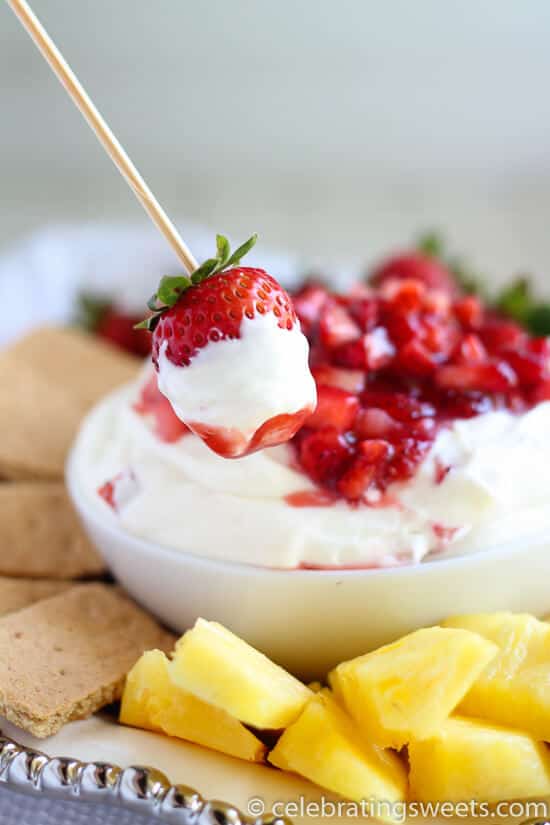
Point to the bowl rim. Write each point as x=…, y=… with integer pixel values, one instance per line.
x=88, y=512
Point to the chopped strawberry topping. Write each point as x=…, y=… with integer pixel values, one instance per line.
x=324, y=454
x=489, y=377
x=335, y=408
x=346, y=379
x=396, y=362
x=336, y=326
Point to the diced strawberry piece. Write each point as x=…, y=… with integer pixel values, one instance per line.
x=488, y=377
x=425, y=268
x=364, y=468
x=465, y=405
x=308, y=303
x=401, y=327
x=400, y=406
x=498, y=335
x=335, y=408
x=529, y=368
x=324, y=454
x=373, y=422
x=409, y=453
x=436, y=302
x=423, y=429
x=438, y=337
x=107, y=493
x=379, y=350
x=442, y=470
x=351, y=355
x=336, y=326
x=540, y=393
x=470, y=350
x=416, y=359
x=372, y=351
x=405, y=295
x=347, y=379
x=365, y=311
x=469, y=312
x=446, y=534
x=540, y=347
x=376, y=450
x=355, y=481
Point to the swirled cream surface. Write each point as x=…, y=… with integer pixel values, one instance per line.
x=494, y=489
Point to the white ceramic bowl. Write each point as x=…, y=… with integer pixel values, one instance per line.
x=309, y=620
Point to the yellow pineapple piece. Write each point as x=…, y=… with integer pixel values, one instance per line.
x=152, y=701
x=514, y=689
x=216, y=666
x=468, y=759
x=146, y=685
x=323, y=745
x=405, y=690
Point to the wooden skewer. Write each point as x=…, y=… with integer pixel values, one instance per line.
x=111, y=145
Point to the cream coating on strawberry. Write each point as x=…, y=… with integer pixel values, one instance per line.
x=260, y=376
x=230, y=355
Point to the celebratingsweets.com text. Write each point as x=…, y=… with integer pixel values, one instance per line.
x=399, y=812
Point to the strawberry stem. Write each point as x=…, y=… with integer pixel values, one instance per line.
x=172, y=287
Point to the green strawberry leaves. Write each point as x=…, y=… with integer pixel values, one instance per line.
x=172, y=287
x=517, y=300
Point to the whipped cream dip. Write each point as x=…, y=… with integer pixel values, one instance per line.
x=485, y=481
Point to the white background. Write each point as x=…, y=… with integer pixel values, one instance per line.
x=336, y=128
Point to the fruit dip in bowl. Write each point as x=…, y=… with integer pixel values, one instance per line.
x=429, y=442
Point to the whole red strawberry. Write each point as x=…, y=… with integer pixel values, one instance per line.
x=119, y=328
x=214, y=309
x=419, y=267
x=222, y=341
x=106, y=320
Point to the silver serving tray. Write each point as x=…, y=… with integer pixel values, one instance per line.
x=141, y=789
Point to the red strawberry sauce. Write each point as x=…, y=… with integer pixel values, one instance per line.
x=393, y=364
x=233, y=444
x=154, y=405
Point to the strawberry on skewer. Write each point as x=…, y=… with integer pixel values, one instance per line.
x=230, y=355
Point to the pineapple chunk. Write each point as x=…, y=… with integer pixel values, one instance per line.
x=152, y=701
x=405, y=690
x=323, y=746
x=515, y=687
x=216, y=666
x=472, y=760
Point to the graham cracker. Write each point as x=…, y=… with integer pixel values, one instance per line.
x=15, y=594
x=66, y=657
x=88, y=366
x=49, y=379
x=40, y=534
